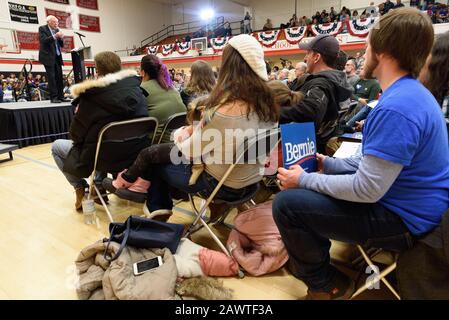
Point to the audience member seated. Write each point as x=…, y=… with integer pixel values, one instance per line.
x=243, y=72
x=351, y=72
x=398, y=4
x=293, y=23
x=301, y=75
x=115, y=96
x=268, y=25
x=397, y=189
x=324, y=90
x=365, y=91
x=388, y=5
x=202, y=81
x=435, y=74
x=163, y=100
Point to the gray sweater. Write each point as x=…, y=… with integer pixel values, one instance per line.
x=357, y=179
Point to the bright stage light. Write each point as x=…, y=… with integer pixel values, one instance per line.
x=207, y=14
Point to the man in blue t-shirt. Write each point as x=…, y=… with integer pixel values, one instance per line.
x=396, y=189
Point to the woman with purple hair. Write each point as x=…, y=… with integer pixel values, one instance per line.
x=162, y=99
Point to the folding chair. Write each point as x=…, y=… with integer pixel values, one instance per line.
x=174, y=122
x=254, y=149
x=376, y=278
x=120, y=132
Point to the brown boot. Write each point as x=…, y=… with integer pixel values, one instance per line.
x=343, y=289
x=80, y=193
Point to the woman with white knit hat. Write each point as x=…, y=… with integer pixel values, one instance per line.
x=241, y=101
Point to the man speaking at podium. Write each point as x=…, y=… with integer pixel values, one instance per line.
x=50, y=55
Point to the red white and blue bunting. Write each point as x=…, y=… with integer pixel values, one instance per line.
x=218, y=44
x=167, y=49
x=295, y=35
x=184, y=47
x=268, y=38
x=332, y=28
x=360, y=28
x=152, y=49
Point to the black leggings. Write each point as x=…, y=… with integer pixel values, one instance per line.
x=153, y=155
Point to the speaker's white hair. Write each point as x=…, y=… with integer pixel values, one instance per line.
x=49, y=18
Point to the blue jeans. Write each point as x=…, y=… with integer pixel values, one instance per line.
x=165, y=177
x=361, y=115
x=60, y=150
x=307, y=220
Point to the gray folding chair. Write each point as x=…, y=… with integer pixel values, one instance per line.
x=253, y=150
x=174, y=122
x=120, y=132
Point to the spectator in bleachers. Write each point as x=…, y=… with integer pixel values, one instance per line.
x=247, y=104
x=395, y=190
x=115, y=96
x=227, y=29
x=333, y=15
x=68, y=89
x=268, y=25
x=388, y=5
x=381, y=7
x=324, y=89
x=247, y=24
x=355, y=15
x=301, y=74
x=293, y=23
x=163, y=100
x=1, y=92
x=435, y=74
x=398, y=4
x=351, y=72
x=202, y=81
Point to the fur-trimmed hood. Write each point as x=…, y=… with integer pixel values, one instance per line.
x=103, y=82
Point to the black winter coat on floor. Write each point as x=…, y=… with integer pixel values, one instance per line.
x=115, y=97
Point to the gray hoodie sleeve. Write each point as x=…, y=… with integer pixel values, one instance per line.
x=368, y=184
x=342, y=166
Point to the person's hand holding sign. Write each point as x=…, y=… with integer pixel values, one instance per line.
x=289, y=179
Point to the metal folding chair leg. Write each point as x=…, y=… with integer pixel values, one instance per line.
x=105, y=206
x=205, y=225
x=380, y=277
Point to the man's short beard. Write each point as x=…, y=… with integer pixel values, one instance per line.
x=369, y=67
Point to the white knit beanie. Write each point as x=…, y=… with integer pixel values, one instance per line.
x=251, y=50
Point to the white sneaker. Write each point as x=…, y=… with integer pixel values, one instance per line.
x=157, y=213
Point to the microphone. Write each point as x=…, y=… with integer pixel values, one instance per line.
x=80, y=34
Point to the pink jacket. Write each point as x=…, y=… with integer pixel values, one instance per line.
x=256, y=243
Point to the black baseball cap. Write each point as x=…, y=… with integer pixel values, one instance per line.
x=324, y=44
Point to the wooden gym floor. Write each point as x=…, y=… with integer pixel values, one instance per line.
x=42, y=235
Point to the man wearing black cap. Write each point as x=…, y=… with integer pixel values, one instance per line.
x=324, y=89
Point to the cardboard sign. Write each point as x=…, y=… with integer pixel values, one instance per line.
x=299, y=146
x=89, y=23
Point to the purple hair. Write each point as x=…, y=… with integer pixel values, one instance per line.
x=157, y=70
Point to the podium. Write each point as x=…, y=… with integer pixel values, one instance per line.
x=78, y=57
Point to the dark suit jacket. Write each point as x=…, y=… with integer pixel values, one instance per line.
x=47, y=49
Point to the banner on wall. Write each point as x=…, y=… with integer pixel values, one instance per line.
x=88, y=4
x=28, y=40
x=69, y=44
x=89, y=23
x=65, y=20
x=23, y=13
x=59, y=1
